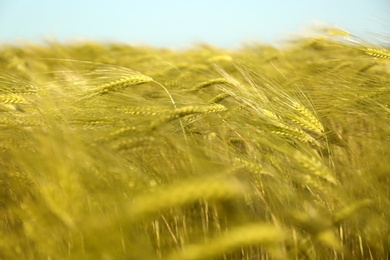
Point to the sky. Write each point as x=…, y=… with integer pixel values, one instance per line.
x=175, y=23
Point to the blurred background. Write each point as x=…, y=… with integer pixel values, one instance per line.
x=176, y=24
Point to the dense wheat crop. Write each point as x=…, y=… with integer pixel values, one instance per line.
x=110, y=151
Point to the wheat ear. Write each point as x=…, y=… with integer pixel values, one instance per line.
x=256, y=169
x=219, y=97
x=12, y=99
x=144, y=111
x=133, y=143
x=348, y=211
x=378, y=53
x=123, y=83
x=183, y=194
x=189, y=110
x=315, y=167
x=295, y=133
x=211, y=82
x=308, y=120
x=248, y=235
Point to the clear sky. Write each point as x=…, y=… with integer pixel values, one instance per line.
x=175, y=23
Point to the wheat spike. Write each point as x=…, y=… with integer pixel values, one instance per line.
x=337, y=32
x=271, y=115
x=348, y=211
x=220, y=58
x=211, y=82
x=295, y=133
x=315, y=167
x=133, y=143
x=144, y=111
x=251, y=234
x=252, y=167
x=10, y=107
x=378, y=53
x=189, y=110
x=12, y=99
x=124, y=130
x=123, y=83
x=219, y=97
x=185, y=193
x=308, y=120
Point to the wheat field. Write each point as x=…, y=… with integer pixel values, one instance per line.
x=113, y=151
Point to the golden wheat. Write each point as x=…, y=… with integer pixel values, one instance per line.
x=279, y=155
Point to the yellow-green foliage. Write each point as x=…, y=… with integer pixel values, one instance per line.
x=109, y=151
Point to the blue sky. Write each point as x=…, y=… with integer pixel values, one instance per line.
x=175, y=23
